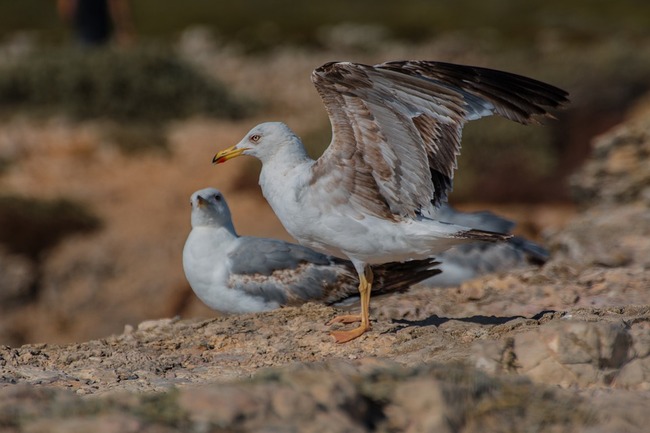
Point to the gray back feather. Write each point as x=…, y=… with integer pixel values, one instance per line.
x=482, y=220
x=265, y=256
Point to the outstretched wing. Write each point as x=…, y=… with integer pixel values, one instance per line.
x=396, y=127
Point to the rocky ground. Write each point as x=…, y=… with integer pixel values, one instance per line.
x=562, y=348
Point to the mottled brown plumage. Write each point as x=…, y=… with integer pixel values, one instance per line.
x=396, y=126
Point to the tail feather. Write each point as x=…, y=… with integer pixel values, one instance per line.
x=483, y=235
x=389, y=278
x=398, y=277
x=535, y=254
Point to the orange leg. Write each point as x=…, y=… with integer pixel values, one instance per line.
x=365, y=286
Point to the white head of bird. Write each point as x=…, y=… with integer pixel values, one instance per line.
x=265, y=141
x=209, y=209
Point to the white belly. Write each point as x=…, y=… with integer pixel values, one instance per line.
x=344, y=232
x=321, y=217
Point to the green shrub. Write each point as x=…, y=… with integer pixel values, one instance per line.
x=32, y=226
x=137, y=85
x=136, y=138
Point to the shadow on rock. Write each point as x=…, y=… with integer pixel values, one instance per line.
x=435, y=320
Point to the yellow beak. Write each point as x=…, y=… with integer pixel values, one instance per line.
x=227, y=154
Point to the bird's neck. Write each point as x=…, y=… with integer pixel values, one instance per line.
x=289, y=159
x=282, y=180
x=225, y=231
x=288, y=155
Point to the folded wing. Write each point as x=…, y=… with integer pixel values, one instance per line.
x=290, y=274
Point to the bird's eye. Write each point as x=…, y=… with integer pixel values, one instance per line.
x=254, y=138
x=217, y=197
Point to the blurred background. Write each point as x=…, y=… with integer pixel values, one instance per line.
x=111, y=110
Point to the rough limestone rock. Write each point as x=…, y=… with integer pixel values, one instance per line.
x=337, y=396
x=576, y=353
x=618, y=171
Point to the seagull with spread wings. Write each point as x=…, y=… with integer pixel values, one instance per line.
x=244, y=274
x=396, y=131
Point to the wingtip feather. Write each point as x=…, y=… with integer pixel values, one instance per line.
x=484, y=235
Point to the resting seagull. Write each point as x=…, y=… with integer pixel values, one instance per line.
x=471, y=260
x=396, y=129
x=242, y=274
